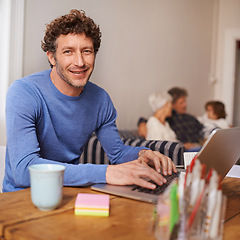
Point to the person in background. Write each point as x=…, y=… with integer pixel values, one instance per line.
x=187, y=128
x=51, y=115
x=157, y=126
x=142, y=127
x=214, y=118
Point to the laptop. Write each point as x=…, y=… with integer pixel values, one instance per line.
x=220, y=151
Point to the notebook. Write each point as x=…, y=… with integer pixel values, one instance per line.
x=220, y=152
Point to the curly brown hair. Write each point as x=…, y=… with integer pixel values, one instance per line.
x=76, y=22
x=218, y=108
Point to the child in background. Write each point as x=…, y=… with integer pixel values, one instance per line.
x=142, y=127
x=214, y=118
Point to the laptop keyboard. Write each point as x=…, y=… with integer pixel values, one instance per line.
x=159, y=189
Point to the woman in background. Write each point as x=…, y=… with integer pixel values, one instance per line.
x=157, y=126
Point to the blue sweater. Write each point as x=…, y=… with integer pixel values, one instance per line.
x=46, y=126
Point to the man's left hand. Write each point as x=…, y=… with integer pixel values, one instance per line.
x=162, y=163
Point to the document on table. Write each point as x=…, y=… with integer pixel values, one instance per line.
x=234, y=171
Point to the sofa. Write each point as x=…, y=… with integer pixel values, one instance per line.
x=94, y=153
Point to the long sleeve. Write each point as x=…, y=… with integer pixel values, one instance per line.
x=26, y=144
x=45, y=126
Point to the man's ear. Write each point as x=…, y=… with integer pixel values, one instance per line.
x=51, y=58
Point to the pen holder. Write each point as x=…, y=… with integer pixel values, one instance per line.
x=208, y=227
x=189, y=225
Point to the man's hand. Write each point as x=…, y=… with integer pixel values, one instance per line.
x=133, y=172
x=161, y=163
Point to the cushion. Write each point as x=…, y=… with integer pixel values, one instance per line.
x=94, y=153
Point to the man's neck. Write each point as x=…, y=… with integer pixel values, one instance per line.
x=63, y=86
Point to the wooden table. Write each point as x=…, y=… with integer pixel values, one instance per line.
x=129, y=219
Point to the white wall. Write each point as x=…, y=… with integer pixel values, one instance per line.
x=11, y=48
x=236, y=118
x=147, y=45
x=2, y=164
x=5, y=10
x=228, y=26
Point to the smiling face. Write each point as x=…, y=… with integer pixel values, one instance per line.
x=73, y=63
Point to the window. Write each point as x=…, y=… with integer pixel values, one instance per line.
x=11, y=48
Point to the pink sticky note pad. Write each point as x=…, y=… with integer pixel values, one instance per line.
x=92, y=200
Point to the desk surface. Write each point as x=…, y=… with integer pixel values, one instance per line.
x=129, y=219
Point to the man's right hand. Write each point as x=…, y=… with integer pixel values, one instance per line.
x=133, y=173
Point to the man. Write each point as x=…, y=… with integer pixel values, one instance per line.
x=186, y=126
x=52, y=114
